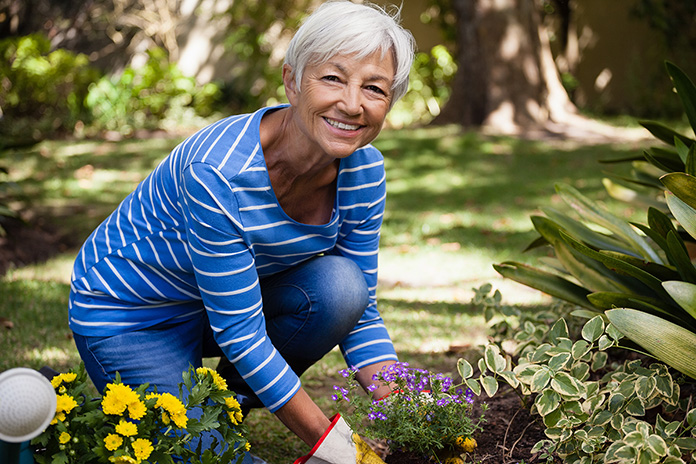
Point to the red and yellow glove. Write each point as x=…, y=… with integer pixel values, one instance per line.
x=339, y=445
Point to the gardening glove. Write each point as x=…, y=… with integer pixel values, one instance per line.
x=339, y=445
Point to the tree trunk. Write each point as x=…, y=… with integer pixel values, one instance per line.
x=507, y=78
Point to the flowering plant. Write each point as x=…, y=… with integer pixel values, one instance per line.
x=425, y=413
x=134, y=426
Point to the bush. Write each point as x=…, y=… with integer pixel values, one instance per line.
x=149, y=97
x=43, y=91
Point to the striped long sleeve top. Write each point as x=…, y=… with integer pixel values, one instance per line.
x=198, y=233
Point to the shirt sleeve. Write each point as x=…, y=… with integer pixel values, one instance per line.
x=369, y=341
x=226, y=275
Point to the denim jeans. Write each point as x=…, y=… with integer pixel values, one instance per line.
x=309, y=309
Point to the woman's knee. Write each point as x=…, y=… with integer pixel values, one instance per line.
x=342, y=285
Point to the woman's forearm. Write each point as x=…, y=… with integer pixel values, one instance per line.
x=364, y=377
x=303, y=417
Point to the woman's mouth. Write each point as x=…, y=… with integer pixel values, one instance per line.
x=342, y=126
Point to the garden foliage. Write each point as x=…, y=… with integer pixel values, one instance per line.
x=640, y=276
x=636, y=283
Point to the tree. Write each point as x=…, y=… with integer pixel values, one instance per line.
x=506, y=76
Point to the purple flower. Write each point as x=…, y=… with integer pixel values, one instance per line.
x=371, y=388
x=334, y=397
x=443, y=402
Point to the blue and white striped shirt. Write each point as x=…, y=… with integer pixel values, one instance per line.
x=198, y=233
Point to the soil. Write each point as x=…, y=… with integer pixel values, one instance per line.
x=25, y=243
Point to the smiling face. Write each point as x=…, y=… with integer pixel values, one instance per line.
x=343, y=102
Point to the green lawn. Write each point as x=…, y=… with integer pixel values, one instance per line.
x=457, y=203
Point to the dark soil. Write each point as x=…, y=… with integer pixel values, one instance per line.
x=26, y=243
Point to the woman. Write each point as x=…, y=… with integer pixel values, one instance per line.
x=257, y=237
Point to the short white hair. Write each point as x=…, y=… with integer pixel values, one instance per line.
x=343, y=27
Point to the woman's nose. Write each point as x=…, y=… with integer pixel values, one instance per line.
x=351, y=100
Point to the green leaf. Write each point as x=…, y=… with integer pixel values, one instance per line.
x=494, y=360
x=490, y=384
x=474, y=386
x=603, y=417
x=580, y=371
x=683, y=293
x=686, y=443
x=679, y=255
x=591, y=211
x=564, y=384
x=558, y=330
x=683, y=213
x=464, y=368
x=584, y=233
x=691, y=417
x=587, y=271
x=672, y=344
x=662, y=132
x=580, y=349
x=617, y=265
x=610, y=300
x=616, y=402
x=546, y=282
x=645, y=386
x=593, y=329
x=547, y=402
x=682, y=185
x=691, y=160
x=599, y=360
x=686, y=91
x=540, y=380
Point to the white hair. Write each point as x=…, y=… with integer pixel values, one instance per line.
x=343, y=27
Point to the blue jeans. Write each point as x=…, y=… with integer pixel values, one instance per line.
x=309, y=309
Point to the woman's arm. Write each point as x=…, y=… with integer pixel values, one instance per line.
x=364, y=378
x=303, y=417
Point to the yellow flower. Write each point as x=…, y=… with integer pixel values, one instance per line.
x=247, y=446
x=142, y=448
x=65, y=404
x=175, y=408
x=137, y=410
x=60, y=416
x=60, y=378
x=180, y=420
x=165, y=418
x=235, y=412
x=64, y=438
x=127, y=429
x=117, y=398
x=218, y=381
x=466, y=444
x=122, y=460
x=112, y=441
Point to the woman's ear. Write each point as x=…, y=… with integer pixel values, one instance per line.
x=289, y=83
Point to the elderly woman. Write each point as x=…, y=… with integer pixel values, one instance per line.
x=257, y=237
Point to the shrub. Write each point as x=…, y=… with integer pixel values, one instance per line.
x=148, y=97
x=594, y=409
x=43, y=91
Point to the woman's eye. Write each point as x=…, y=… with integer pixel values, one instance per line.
x=331, y=78
x=374, y=88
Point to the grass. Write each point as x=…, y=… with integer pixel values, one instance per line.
x=458, y=202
